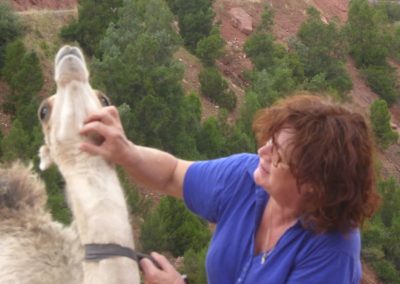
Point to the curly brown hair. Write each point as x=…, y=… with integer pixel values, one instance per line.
x=332, y=153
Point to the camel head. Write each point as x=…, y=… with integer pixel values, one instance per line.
x=63, y=114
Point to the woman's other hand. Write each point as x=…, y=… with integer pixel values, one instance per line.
x=166, y=275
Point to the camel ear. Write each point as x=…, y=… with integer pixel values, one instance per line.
x=45, y=158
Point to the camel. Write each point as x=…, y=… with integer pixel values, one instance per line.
x=98, y=246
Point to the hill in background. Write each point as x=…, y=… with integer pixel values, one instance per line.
x=44, y=18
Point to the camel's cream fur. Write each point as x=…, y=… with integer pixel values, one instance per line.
x=37, y=250
x=33, y=248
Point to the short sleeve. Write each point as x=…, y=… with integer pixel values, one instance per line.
x=327, y=267
x=210, y=185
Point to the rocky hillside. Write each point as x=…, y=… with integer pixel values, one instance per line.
x=23, y=5
x=237, y=19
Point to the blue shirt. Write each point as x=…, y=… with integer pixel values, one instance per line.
x=223, y=191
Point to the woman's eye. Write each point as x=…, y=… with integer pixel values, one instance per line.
x=104, y=101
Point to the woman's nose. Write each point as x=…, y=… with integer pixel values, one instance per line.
x=265, y=149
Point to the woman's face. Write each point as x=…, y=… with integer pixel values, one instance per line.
x=273, y=172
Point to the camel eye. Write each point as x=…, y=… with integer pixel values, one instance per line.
x=104, y=100
x=44, y=112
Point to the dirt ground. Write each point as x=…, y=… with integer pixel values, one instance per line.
x=23, y=5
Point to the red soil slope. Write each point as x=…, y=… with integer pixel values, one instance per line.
x=23, y=5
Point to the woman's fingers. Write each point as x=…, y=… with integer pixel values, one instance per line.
x=107, y=115
x=148, y=267
x=90, y=148
x=162, y=261
x=95, y=127
x=166, y=275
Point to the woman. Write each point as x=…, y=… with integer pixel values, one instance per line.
x=290, y=214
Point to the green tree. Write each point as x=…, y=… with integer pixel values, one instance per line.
x=381, y=246
x=94, y=16
x=267, y=20
x=153, y=233
x=137, y=69
x=30, y=71
x=16, y=144
x=321, y=49
x=390, y=191
x=392, y=9
x=194, y=20
x=247, y=112
x=370, y=47
x=177, y=229
x=210, y=140
x=22, y=67
x=136, y=51
x=154, y=119
x=216, y=88
x=210, y=48
x=14, y=53
x=395, y=46
x=233, y=138
x=194, y=266
x=260, y=48
x=380, y=120
x=10, y=29
x=382, y=80
x=367, y=45
x=186, y=144
x=262, y=86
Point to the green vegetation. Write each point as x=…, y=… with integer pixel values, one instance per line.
x=216, y=88
x=93, y=20
x=130, y=45
x=381, y=243
x=10, y=29
x=171, y=227
x=371, y=46
x=21, y=67
x=194, y=265
x=210, y=48
x=380, y=121
x=367, y=45
x=22, y=72
x=194, y=20
x=321, y=49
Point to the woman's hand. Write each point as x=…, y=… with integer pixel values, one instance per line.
x=114, y=145
x=166, y=275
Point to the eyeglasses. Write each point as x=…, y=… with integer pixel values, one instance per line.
x=276, y=159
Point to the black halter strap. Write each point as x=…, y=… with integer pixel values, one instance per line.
x=97, y=252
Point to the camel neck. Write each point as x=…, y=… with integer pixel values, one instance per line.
x=98, y=204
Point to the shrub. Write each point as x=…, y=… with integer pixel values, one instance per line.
x=10, y=29
x=173, y=228
x=382, y=80
x=215, y=87
x=210, y=48
x=380, y=120
x=194, y=266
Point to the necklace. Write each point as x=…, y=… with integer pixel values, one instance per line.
x=268, y=238
x=265, y=255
